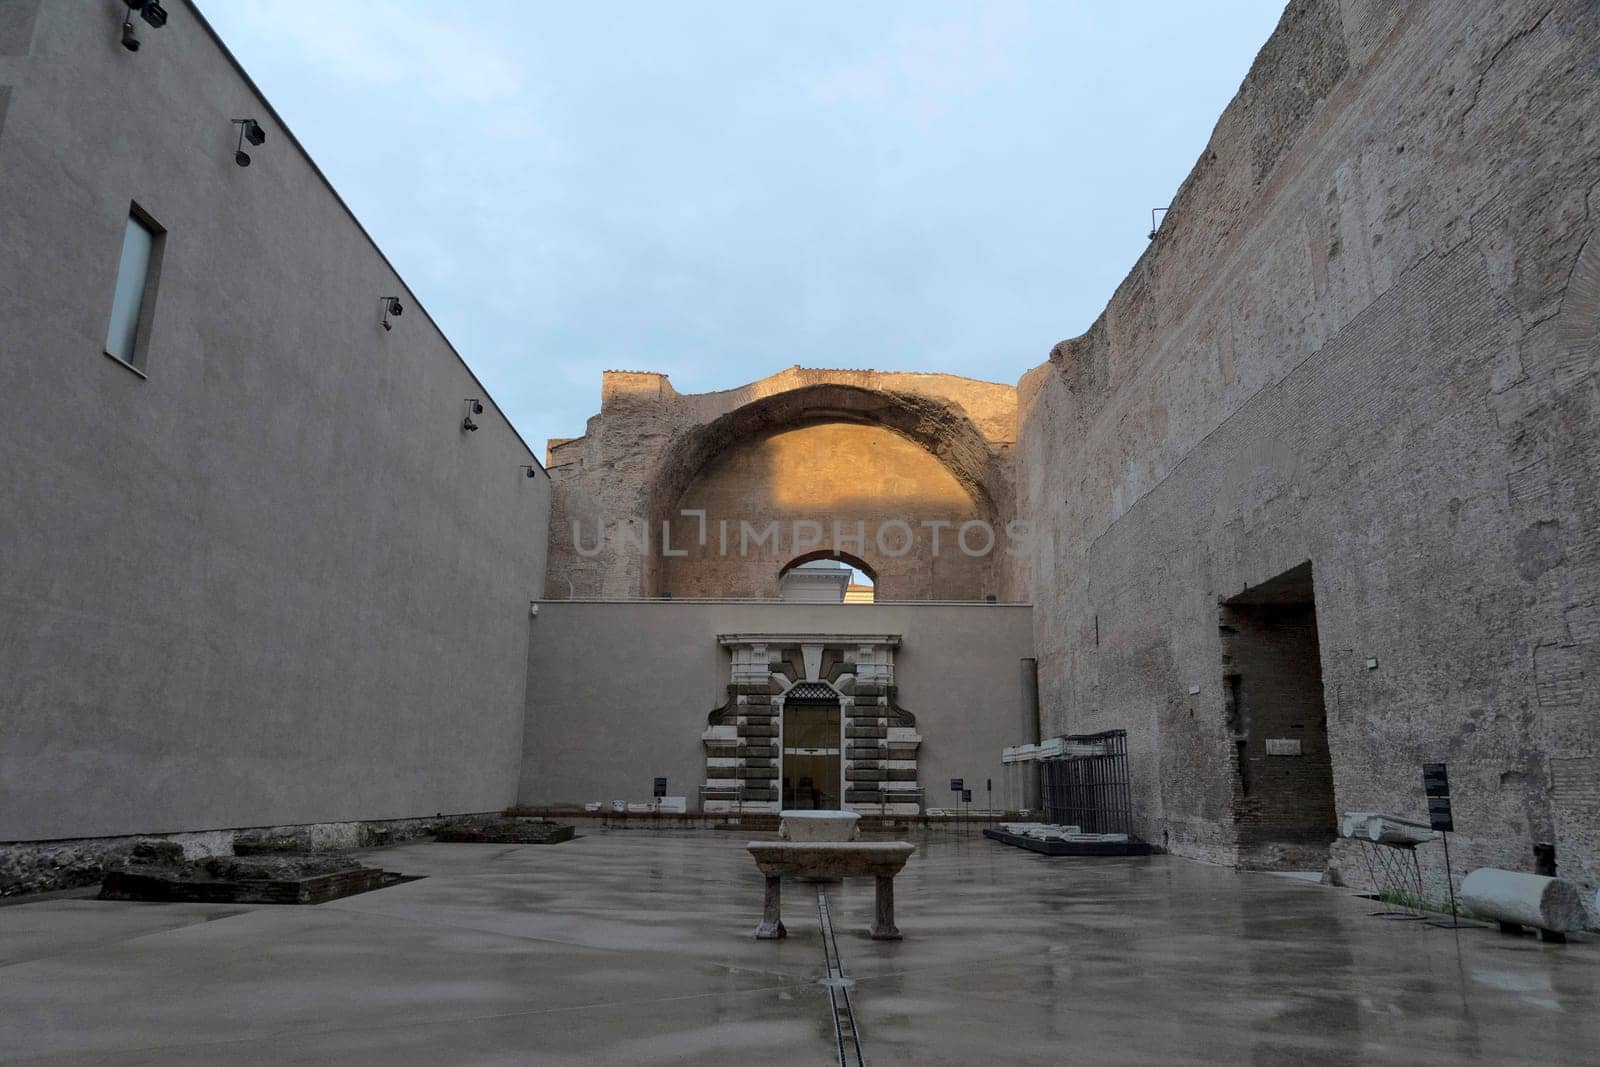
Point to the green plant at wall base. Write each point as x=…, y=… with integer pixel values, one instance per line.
x=1405, y=899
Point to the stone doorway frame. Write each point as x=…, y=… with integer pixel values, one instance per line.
x=780, y=702
x=743, y=740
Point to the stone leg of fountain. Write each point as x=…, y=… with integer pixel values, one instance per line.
x=883, y=927
x=771, y=927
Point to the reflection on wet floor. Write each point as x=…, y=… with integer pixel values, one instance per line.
x=635, y=946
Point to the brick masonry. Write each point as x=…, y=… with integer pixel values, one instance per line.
x=1364, y=337
x=845, y=445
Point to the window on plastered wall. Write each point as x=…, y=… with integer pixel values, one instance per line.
x=133, y=302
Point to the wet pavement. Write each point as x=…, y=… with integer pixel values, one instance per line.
x=635, y=947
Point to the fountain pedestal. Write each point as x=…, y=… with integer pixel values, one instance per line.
x=826, y=860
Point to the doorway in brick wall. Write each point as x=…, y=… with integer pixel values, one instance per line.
x=1283, y=811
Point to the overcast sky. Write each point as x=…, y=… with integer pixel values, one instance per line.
x=719, y=191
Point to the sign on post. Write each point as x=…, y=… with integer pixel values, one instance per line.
x=957, y=785
x=966, y=796
x=1436, y=787
x=661, y=787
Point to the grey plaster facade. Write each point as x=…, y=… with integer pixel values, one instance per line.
x=268, y=580
x=626, y=689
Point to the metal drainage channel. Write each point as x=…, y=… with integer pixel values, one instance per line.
x=846, y=1037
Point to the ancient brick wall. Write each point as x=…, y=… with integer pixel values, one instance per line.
x=809, y=445
x=1274, y=709
x=1365, y=337
x=847, y=473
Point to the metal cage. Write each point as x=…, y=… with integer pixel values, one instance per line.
x=1086, y=783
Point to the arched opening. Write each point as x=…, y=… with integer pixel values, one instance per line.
x=826, y=577
x=821, y=454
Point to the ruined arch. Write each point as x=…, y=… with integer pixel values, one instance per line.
x=899, y=446
x=936, y=425
x=648, y=443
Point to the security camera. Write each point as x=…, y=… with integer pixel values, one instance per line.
x=477, y=407
x=395, y=307
x=129, y=41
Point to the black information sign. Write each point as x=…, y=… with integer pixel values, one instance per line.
x=957, y=785
x=1436, y=787
x=661, y=787
x=966, y=796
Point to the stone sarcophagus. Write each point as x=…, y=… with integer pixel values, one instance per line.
x=865, y=757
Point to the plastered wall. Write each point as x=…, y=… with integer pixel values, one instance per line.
x=626, y=689
x=270, y=581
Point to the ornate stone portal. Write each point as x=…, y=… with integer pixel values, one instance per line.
x=877, y=744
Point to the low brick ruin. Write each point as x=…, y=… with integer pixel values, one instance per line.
x=157, y=870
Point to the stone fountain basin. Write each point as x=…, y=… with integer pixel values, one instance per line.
x=826, y=861
x=829, y=860
x=814, y=826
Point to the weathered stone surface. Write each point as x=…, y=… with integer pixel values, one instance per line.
x=296, y=839
x=152, y=850
x=1524, y=899
x=160, y=873
x=819, y=825
x=1366, y=337
x=827, y=861
x=32, y=867
x=510, y=831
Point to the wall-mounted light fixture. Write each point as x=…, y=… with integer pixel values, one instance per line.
x=530, y=470
x=149, y=10
x=1151, y=236
x=389, y=305
x=249, y=130
x=474, y=407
